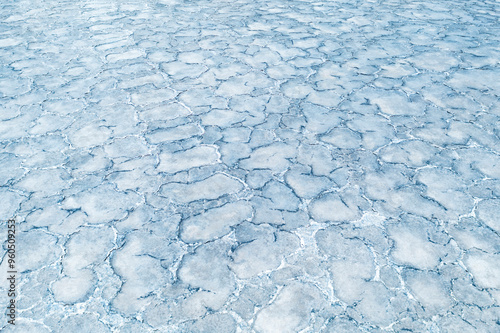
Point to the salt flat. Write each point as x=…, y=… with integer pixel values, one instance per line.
x=252, y=166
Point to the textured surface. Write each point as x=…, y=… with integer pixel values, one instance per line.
x=252, y=166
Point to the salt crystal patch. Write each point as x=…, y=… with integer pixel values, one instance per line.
x=191, y=158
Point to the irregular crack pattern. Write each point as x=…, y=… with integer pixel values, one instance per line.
x=252, y=166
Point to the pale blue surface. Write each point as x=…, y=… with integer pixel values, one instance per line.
x=252, y=166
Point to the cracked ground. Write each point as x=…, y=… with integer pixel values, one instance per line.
x=252, y=166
